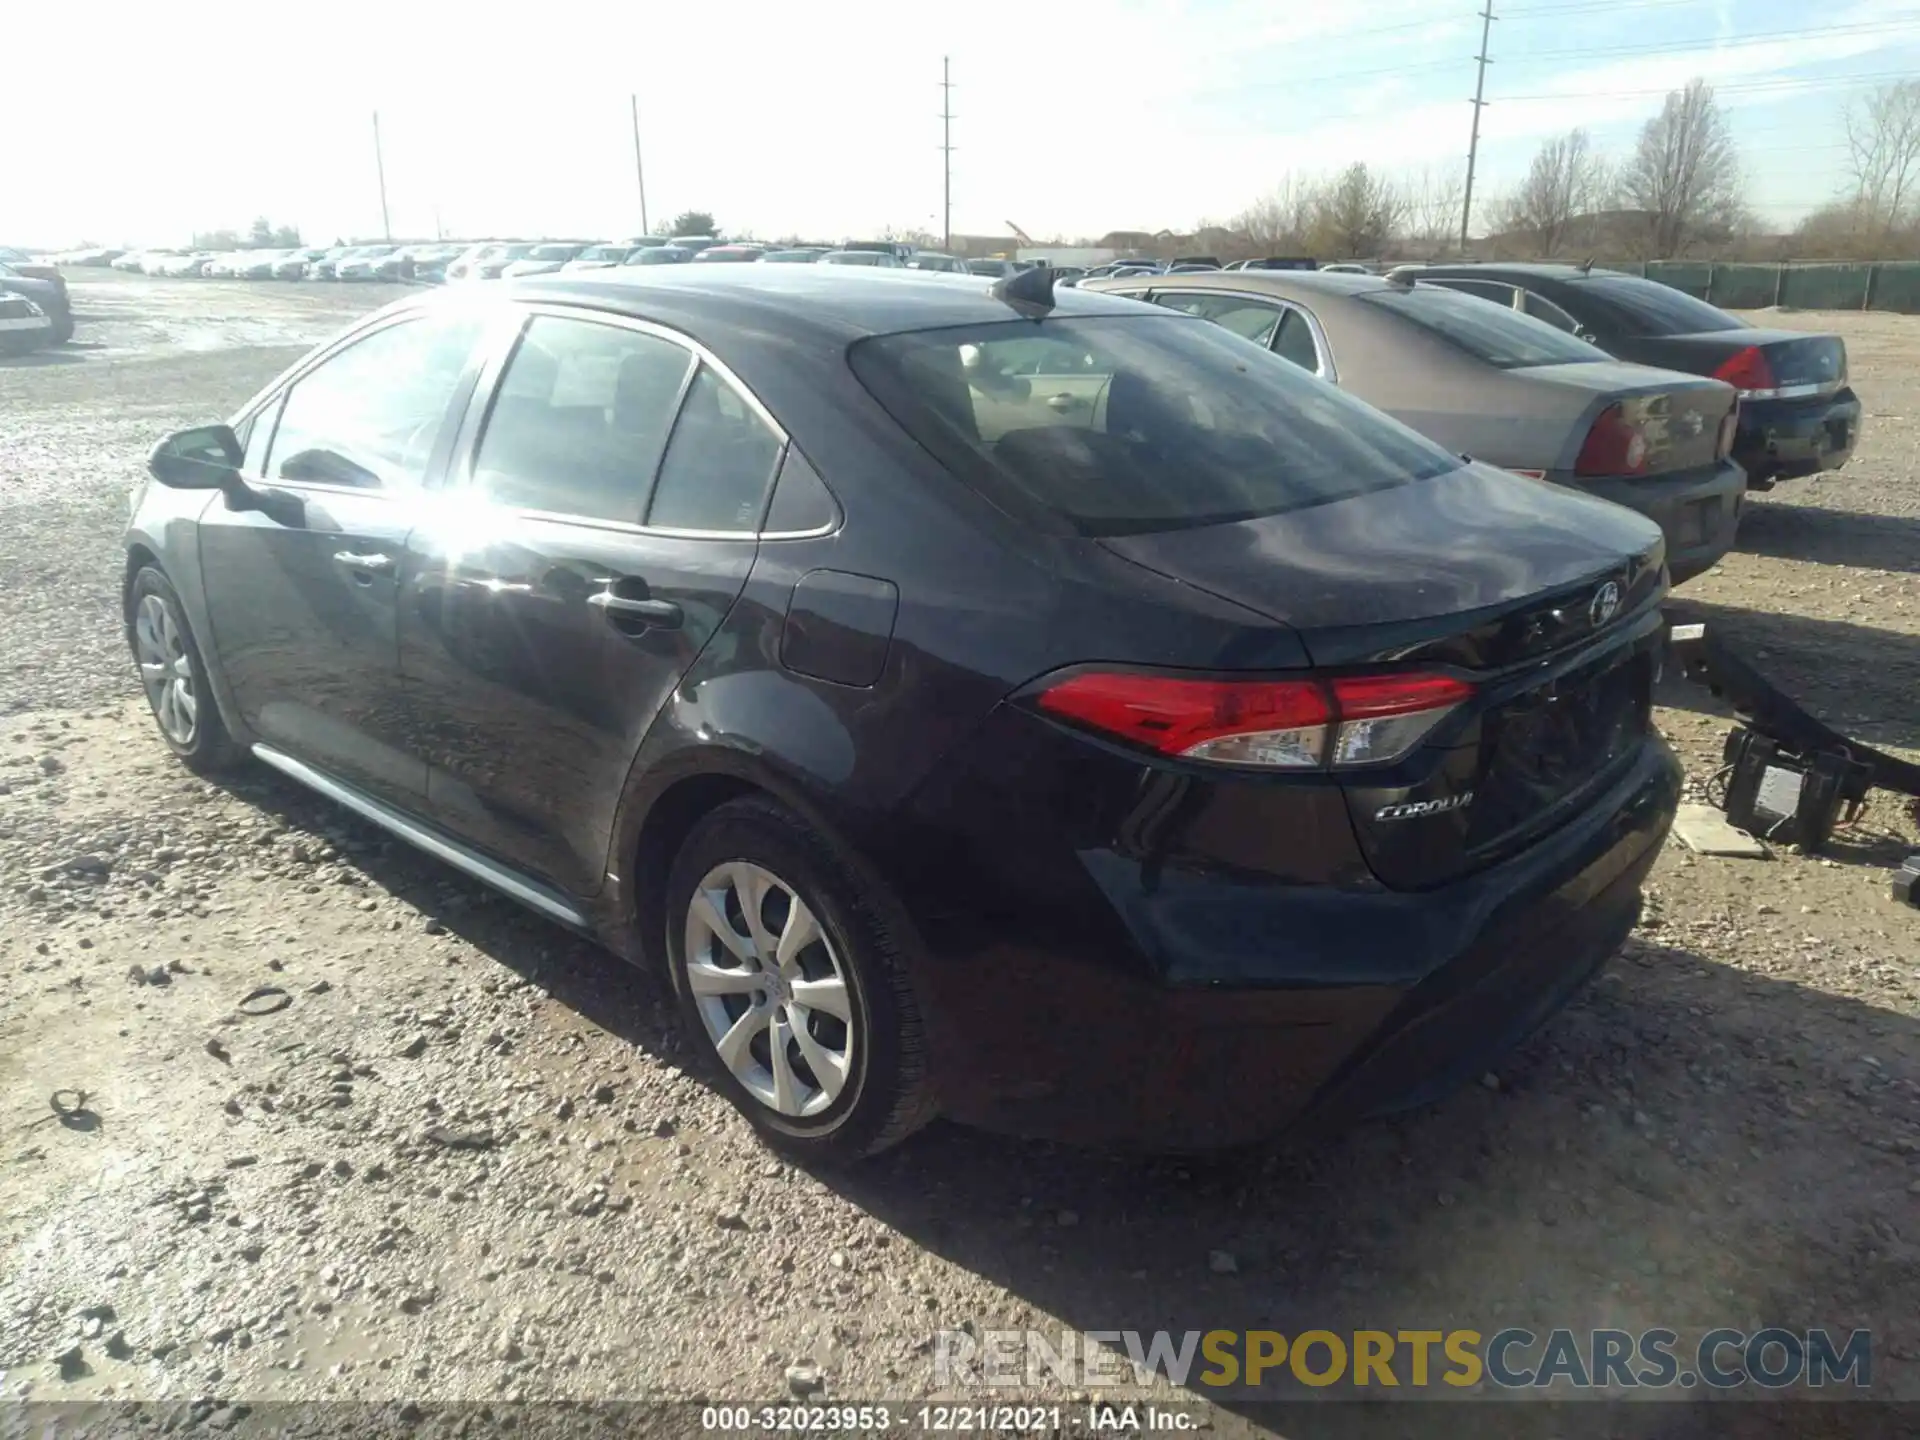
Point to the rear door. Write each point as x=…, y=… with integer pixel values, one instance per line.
x=304, y=606
x=603, y=516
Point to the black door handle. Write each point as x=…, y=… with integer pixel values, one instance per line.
x=656, y=614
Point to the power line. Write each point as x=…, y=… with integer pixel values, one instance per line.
x=1781, y=84
x=1576, y=7
x=1765, y=37
x=1702, y=47
x=1527, y=12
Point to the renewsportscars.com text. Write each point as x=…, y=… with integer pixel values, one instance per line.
x=1722, y=1359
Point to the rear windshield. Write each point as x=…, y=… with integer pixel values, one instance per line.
x=1488, y=331
x=1656, y=309
x=1124, y=424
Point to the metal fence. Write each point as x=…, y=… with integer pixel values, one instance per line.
x=1891, y=285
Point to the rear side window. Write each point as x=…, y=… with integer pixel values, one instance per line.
x=1541, y=308
x=581, y=419
x=1136, y=423
x=1480, y=290
x=1650, y=308
x=1249, y=319
x=1493, y=333
x=1295, y=342
x=719, y=465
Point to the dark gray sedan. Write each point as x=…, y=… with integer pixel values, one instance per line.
x=1496, y=385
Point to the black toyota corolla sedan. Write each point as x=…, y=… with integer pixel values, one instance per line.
x=1798, y=416
x=1033, y=707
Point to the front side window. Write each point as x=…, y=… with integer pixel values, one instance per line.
x=580, y=419
x=1161, y=424
x=718, y=468
x=1499, y=336
x=369, y=415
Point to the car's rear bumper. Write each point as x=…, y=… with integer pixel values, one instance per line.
x=1698, y=511
x=1297, y=1006
x=1781, y=439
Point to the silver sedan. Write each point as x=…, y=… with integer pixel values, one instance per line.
x=1497, y=385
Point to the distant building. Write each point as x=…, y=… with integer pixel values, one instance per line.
x=1085, y=256
x=979, y=247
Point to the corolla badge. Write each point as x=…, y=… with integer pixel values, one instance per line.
x=1604, y=605
x=1414, y=809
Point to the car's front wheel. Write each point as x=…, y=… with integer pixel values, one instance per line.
x=793, y=987
x=174, y=676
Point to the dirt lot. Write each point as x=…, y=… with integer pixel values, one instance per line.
x=1723, y=1131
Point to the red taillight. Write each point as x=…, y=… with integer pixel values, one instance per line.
x=1288, y=724
x=1614, y=446
x=1748, y=372
x=1382, y=717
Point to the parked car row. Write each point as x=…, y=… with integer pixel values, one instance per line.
x=901, y=663
x=35, y=309
x=518, y=259
x=1597, y=381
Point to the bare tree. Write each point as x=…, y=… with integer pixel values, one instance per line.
x=1883, y=140
x=1433, y=195
x=1278, y=221
x=1566, y=180
x=1356, y=215
x=1684, y=173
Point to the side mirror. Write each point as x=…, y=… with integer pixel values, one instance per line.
x=206, y=457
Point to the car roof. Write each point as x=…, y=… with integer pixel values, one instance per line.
x=1280, y=282
x=847, y=301
x=1535, y=269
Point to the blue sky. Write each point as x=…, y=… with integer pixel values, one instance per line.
x=820, y=120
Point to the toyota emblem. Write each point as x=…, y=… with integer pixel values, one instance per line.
x=1604, y=605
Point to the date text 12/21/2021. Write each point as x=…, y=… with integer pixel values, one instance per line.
x=960, y=1419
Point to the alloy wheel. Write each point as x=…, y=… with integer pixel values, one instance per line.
x=770, y=990
x=165, y=671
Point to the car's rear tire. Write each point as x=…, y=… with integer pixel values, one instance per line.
x=62, y=327
x=803, y=1012
x=174, y=676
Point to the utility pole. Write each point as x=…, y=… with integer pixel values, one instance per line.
x=380, y=169
x=946, y=151
x=639, y=171
x=1479, y=104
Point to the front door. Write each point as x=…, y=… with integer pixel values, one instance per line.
x=591, y=545
x=302, y=604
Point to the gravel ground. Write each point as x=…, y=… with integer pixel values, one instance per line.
x=465, y=1162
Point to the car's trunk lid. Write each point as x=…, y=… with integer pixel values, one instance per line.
x=1541, y=597
x=1678, y=415
x=1802, y=365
